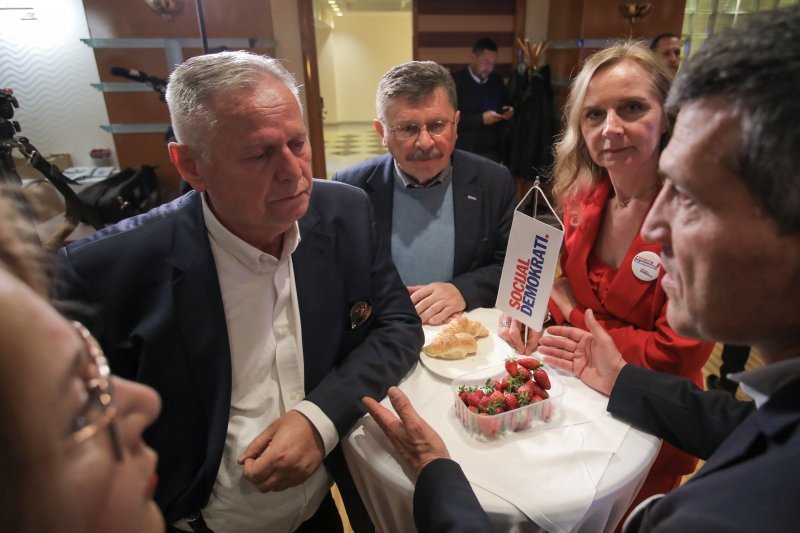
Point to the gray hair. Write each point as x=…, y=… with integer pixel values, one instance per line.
x=414, y=81
x=193, y=84
x=755, y=67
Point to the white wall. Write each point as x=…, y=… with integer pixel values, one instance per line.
x=50, y=70
x=364, y=45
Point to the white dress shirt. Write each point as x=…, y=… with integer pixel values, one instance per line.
x=264, y=332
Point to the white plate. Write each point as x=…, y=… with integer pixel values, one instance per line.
x=491, y=351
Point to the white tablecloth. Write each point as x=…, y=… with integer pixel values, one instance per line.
x=578, y=474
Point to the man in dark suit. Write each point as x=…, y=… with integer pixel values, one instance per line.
x=483, y=103
x=728, y=218
x=445, y=214
x=260, y=311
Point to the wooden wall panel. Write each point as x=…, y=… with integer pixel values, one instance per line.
x=602, y=20
x=599, y=20
x=445, y=30
x=136, y=149
x=132, y=19
x=482, y=24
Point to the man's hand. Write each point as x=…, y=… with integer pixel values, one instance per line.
x=507, y=113
x=513, y=332
x=490, y=117
x=283, y=455
x=436, y=302
x=562, y=296
x=590, y=355
x=416, y=442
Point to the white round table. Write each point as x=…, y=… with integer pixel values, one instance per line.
x=591, y=465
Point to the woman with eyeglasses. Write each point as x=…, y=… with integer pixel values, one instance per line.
x=605, y=181
x=72, y=456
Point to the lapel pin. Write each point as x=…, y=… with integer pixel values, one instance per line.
x=646, y=266
x=359, y=314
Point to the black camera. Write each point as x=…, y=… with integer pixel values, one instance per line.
x=8, y=127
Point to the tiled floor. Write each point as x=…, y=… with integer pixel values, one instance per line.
x=350, y=143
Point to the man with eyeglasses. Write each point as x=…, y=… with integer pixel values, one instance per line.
x=483, y=102
x=444, y=213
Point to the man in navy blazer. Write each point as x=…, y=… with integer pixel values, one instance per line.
x=728, y=219
x=445, y=214
x=260, y=311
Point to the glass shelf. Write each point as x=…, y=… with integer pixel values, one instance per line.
x=135, y=128
x=183, y=43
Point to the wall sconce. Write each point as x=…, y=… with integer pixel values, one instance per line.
x=166, y=8
x=633, y=11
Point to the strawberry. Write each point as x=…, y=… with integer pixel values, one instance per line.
x=511, y=367
x=532, y=389
x=496, y=397
x=488, y=425
x=510, y=384
x=541, y=377
x=531, y=363
x=500, y=385
x=524, y=374
x=512, y=402
x=484, y=404
x=474, y=397
x=462, y=393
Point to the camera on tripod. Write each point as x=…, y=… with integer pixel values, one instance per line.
x=8, y=128
x=7, y=104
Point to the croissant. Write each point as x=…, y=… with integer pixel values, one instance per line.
x=451, y=346
x=462, y=324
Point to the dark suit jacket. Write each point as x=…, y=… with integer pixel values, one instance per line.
x=483, y=207
x=751, y=479
x=154, y=282
x=749, y=483
x=473, y=135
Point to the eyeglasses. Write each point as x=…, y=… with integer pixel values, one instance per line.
x=438, y=128
x=100, y=412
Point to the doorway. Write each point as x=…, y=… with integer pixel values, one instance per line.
x=357, y=42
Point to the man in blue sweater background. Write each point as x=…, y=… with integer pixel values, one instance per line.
x=444, y=213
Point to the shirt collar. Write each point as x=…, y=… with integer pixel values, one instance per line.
x=242, y=251
x=404, y=180
x=476, y=78
x=761, y=383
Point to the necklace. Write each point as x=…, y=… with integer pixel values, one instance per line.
x=624, y=203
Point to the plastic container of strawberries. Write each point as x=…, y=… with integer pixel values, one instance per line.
x=531, y=416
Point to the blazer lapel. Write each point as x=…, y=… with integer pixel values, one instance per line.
x=380, y=189
x=591, y=214
x=315, y=273
x=199, y=310
x=467, y=209
x=627, y=290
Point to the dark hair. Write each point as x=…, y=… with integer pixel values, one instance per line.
x=484, y=43
x=755, y=68
x=654, y=42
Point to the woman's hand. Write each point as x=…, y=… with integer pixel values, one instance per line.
x=513, y=332
x=562, y=297
x=590, y=355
